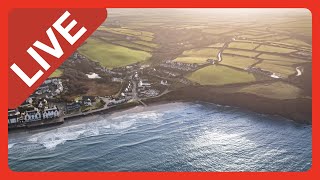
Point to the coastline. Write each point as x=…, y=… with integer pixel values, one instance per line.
x=75, y=117
x=298, y=110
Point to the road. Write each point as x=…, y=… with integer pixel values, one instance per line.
x=134, y=90
x=219, y=55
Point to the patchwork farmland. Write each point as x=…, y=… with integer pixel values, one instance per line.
x=251, y=55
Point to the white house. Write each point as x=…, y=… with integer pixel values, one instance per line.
x=87, y=102
x=40, y=105
x=119, y=101
x=33, y=115
x=51, y=113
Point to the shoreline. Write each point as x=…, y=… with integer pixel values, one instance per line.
x=75, y=117
x=297, y=110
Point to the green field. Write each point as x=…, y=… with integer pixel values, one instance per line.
x=128, y=44
x=56, y=73
x=276, y=90
x=191, y=60
x=219, y=75
x=146, y=43
x=240, y=52
x=281, y=63
x=283, y=71
x=243, y=45
x=237, y=61
x=266, y=48
x=109, y=55
x=199, y=56
x=143, y=35
x=280, y=58
x=295, y=42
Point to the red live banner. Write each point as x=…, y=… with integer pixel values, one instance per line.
x=40, y=40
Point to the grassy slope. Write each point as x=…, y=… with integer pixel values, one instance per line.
x=198, y=60
x=267, y=48
x=237, y=61
x=128, y=44
x=243, y=45
x=277, y=90
x=111, y=56
x=199, y=56
x=146, y=43
x=295, y=42
x=280, y=58
x=219, y=75
x=240, y=52
x=283, y=71
x=143, y=35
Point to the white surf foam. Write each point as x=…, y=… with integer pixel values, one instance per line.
x=11, y=145
x=51, y=139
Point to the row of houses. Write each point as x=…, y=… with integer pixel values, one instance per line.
x=145, y=88
x=117, y=101
x=128, y=93
x=51, y=87
x=36, y=114
x=14, y=116
x=150, y=93
x=76, y=106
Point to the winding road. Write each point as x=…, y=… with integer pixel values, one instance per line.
x=219, y=55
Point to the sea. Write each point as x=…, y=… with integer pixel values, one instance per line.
x=197, y=137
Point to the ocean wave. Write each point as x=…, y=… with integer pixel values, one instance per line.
x=138, y=143
x=11, y=145
x=150, y=115
x=51, y=139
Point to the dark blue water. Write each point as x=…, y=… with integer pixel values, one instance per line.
x=169, y=137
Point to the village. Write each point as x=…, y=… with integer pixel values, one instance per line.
x=139, y=82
